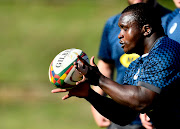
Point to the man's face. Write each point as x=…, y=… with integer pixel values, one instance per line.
x=131, y=34
x=141, y=1
x=177, y=3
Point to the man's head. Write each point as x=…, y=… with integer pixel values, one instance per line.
x=151, y=2
x=137, y=22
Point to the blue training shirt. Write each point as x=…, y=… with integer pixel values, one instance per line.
x=173, y=25
x=159, y=71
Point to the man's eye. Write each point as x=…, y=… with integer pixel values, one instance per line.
x=125, y=29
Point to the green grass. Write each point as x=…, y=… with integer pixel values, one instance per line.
x=36, y=108
x=46, y=115
x=32, y=34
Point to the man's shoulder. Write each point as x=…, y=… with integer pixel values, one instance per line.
x=166, y=43
x=166, y=20
x=173, y=15
x=166, y=50
x=169, y=42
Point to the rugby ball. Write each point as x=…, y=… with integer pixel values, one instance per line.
x=62, y=72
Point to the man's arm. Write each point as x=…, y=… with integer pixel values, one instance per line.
x=122, y=109
x=145, y=120
x=115, y=112
x=118, y=113
x=135, y=97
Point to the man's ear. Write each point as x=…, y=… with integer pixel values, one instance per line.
x=147, y=30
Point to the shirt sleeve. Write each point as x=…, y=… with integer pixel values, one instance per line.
x=159, y=70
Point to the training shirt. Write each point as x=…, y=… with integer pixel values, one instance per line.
x=159, y=71
x=173, y=25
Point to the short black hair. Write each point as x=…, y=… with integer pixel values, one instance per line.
x=145, y=14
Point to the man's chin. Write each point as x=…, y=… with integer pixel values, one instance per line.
x=128, y=52
x=134, y=50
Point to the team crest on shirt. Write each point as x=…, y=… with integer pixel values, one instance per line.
x=136, y=75
x=126, y=59
x=173, y=28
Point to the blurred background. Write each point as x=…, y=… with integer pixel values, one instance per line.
x=32, y=33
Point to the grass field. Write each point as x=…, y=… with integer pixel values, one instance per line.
x=32, y=33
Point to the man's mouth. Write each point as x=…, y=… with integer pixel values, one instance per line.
x=122, y=43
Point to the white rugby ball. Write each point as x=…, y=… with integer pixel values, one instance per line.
x=62, y=72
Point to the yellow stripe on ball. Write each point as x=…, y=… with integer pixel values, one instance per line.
x=63, y=76
x=52, y=79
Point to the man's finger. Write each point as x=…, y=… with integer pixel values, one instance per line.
x=81, y=81
x=66, y=97
x=92, y=61
x=83, y=61
x=58, y=90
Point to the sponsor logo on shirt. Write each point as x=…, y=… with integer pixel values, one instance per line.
x=173, y=28
x=136, y=75
x=126, y=59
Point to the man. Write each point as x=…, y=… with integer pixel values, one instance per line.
x=111, y=57
x=151, y=81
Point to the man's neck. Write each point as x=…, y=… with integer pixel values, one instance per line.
x=151, y=41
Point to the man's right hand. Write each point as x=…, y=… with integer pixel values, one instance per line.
x=91, y=72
